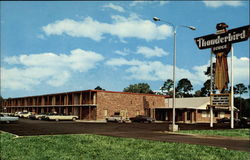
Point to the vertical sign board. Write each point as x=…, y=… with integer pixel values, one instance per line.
x=221, y=43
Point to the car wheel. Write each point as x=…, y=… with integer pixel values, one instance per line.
x=8, y=122
x=74, y=119
x=57, y=120
x=40, y=118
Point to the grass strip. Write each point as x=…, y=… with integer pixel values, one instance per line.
x=95, y=147
x=245, y=133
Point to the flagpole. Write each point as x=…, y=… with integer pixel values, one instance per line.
x=232, y=89
x=211, y=88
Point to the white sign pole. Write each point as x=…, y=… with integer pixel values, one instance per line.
x=211, y=88
x=232, y=89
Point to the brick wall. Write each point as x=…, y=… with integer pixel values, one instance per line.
x=201, y=119
x=129, y=104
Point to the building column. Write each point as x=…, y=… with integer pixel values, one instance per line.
x=80, y=98
x=94, y=98
x=195, y=115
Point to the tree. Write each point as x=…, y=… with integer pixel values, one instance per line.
x=99, y=88
x=138, y=88
x=207, y=72
x=167, y=86
x=198, y=93
x=240, y=89
x=1, y=103
x=205, y=90
x=184, y=86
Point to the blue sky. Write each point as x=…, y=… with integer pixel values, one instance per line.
x=50, y=47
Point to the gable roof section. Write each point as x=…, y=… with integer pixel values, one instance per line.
x=188, y=103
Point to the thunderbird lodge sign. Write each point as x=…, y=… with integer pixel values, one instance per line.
x=230, y=36
x=220, y=44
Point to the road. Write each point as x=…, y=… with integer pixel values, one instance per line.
x=154, y=131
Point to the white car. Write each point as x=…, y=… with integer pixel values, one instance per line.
x=24, y=114
x=16, y=114
x=8, y=119
x=61, y=117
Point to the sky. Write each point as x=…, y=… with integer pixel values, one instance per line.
x=50, y=47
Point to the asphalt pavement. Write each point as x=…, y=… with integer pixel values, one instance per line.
x=154, y=131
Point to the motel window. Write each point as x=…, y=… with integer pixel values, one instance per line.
x=222, y=114
x=204, y=114
x=105, y=112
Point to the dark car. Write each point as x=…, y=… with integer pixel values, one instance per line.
x=223, y=120
x=141, y=118
x=227, y=120
x=244, y=122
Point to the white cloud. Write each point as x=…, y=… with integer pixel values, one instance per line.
x=49, y=68
x=141, y=2
x=156, y=70
x=216, y=4
x=124, y=52
x=149, y=52
x=152, y=70
x=115, y=7
x=241, y=69
x=122, y=27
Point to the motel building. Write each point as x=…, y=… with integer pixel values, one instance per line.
x=98, y=104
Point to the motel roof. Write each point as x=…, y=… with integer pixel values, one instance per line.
x=65, y=93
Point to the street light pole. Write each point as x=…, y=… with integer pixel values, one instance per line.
x=174, y=64
x=174, y=127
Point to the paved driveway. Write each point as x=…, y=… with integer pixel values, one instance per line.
x=155, y=131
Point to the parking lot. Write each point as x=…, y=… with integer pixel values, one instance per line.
x=149, y=131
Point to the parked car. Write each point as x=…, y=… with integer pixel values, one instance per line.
x=57, y=117
x=114, y=118
x=141, y=118
x=117, y=118
x=244, y=122
x=16, y=114
x=24, y=114
x=227, y=120
x=8, y=119
x=45, y=116
x=36, y=116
